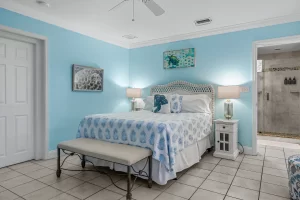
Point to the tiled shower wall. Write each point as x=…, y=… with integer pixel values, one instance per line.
x=281, y=113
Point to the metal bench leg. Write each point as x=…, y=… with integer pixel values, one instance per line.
x=83, y=161
x=129, y=195
x=58, y=171
x=150, y=172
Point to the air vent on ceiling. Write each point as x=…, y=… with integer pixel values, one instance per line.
x=203, y=22
x=43, y=3
x=130, y=37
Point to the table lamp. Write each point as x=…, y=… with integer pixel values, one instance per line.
x=133, y=93
x=228, y=92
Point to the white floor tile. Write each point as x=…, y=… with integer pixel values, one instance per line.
x=248, y=174
x=191, y=180
x=215, y=186
x=202, y=173
x=230, y=198
x=105, y=195
x=40, y=173
x=206, y=166
x=9, y=175
x=223, y=178
x=7, y=195
x=181, y=190
x=274, y=153
x=275, y=165
x=210, y=159
x=275, y=160
x=246, y=183
x=143, y=193
x=225, y=170
x=242, y=193
x=167, y=196
x=275, y=180
x=20, y=165
x=4, y=170
x=229, y=163
x=67, y=184
x=27, y=188
x=258, y=157
x=14, y=182
x=253, y=162
x=264, y=196
x=87, y=176
x=52, y=178
x=2, y=189
x=204, y=194
x=122, y=184
x=43, y=194
x=275, y=172
x=64, y=196
x=275, y=190
x=104, y=181
x=28, y=169
x=249, y=167
x=85, y=190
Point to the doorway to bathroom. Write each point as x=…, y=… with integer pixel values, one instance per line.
x=278, y=94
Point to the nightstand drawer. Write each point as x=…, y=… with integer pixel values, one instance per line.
x=224, y=127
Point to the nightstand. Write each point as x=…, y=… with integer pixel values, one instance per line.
x=226, y=144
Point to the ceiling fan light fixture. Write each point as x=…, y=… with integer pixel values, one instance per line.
x=202, y=22
x=43, y=3
x=130, y=37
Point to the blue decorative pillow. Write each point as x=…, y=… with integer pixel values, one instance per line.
x=176, y=103
x=161, y=104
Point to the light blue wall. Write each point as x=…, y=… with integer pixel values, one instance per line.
x=220, y=60
x=66, y=108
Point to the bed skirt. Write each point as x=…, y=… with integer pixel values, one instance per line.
x=184, y=159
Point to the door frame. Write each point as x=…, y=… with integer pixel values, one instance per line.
x=40, y=90
x=255, y=46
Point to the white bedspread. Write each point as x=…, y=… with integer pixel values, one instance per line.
x=164, y=134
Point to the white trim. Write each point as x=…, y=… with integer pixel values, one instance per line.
x=256, y=45
x=217, y=31
x=41, y=141
x=27, y=11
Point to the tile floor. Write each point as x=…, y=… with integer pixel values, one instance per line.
x=261, y=177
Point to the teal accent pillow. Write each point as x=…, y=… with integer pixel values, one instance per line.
x=161, y=104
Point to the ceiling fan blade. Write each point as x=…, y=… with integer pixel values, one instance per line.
x=117, y=5
x=154, y=7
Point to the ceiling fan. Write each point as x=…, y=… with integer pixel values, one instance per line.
x=150, y=4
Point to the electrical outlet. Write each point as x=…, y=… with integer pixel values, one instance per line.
x=244, y=89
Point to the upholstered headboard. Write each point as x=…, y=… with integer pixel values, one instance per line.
x=186, y=88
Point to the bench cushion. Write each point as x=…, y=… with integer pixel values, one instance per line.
x=117, y=153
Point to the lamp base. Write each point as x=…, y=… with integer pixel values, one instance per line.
x=228, y=109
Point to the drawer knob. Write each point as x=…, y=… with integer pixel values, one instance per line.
x=223, y=126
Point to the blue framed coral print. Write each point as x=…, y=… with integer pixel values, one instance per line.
x=179, y=58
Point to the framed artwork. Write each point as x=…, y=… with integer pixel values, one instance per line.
x=179, y=58
x=87, y=78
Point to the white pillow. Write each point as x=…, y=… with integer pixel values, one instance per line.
x=196, y=103
x=149, y=103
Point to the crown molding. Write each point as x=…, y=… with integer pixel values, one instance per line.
x=217, y=31
x=29, y=12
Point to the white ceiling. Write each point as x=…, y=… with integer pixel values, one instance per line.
x=283, y=48
x=91, y=17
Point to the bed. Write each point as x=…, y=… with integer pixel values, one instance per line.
x=177, y=140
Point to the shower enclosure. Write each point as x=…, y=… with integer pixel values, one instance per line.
x=278, y=94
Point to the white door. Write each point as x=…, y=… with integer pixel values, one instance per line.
x=16, y=101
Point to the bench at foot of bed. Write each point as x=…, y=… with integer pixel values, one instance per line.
x=116, y=153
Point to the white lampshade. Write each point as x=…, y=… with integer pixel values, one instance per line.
x=134, y=92
x=228, y=92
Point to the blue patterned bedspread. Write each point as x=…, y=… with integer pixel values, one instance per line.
x=164, y=134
